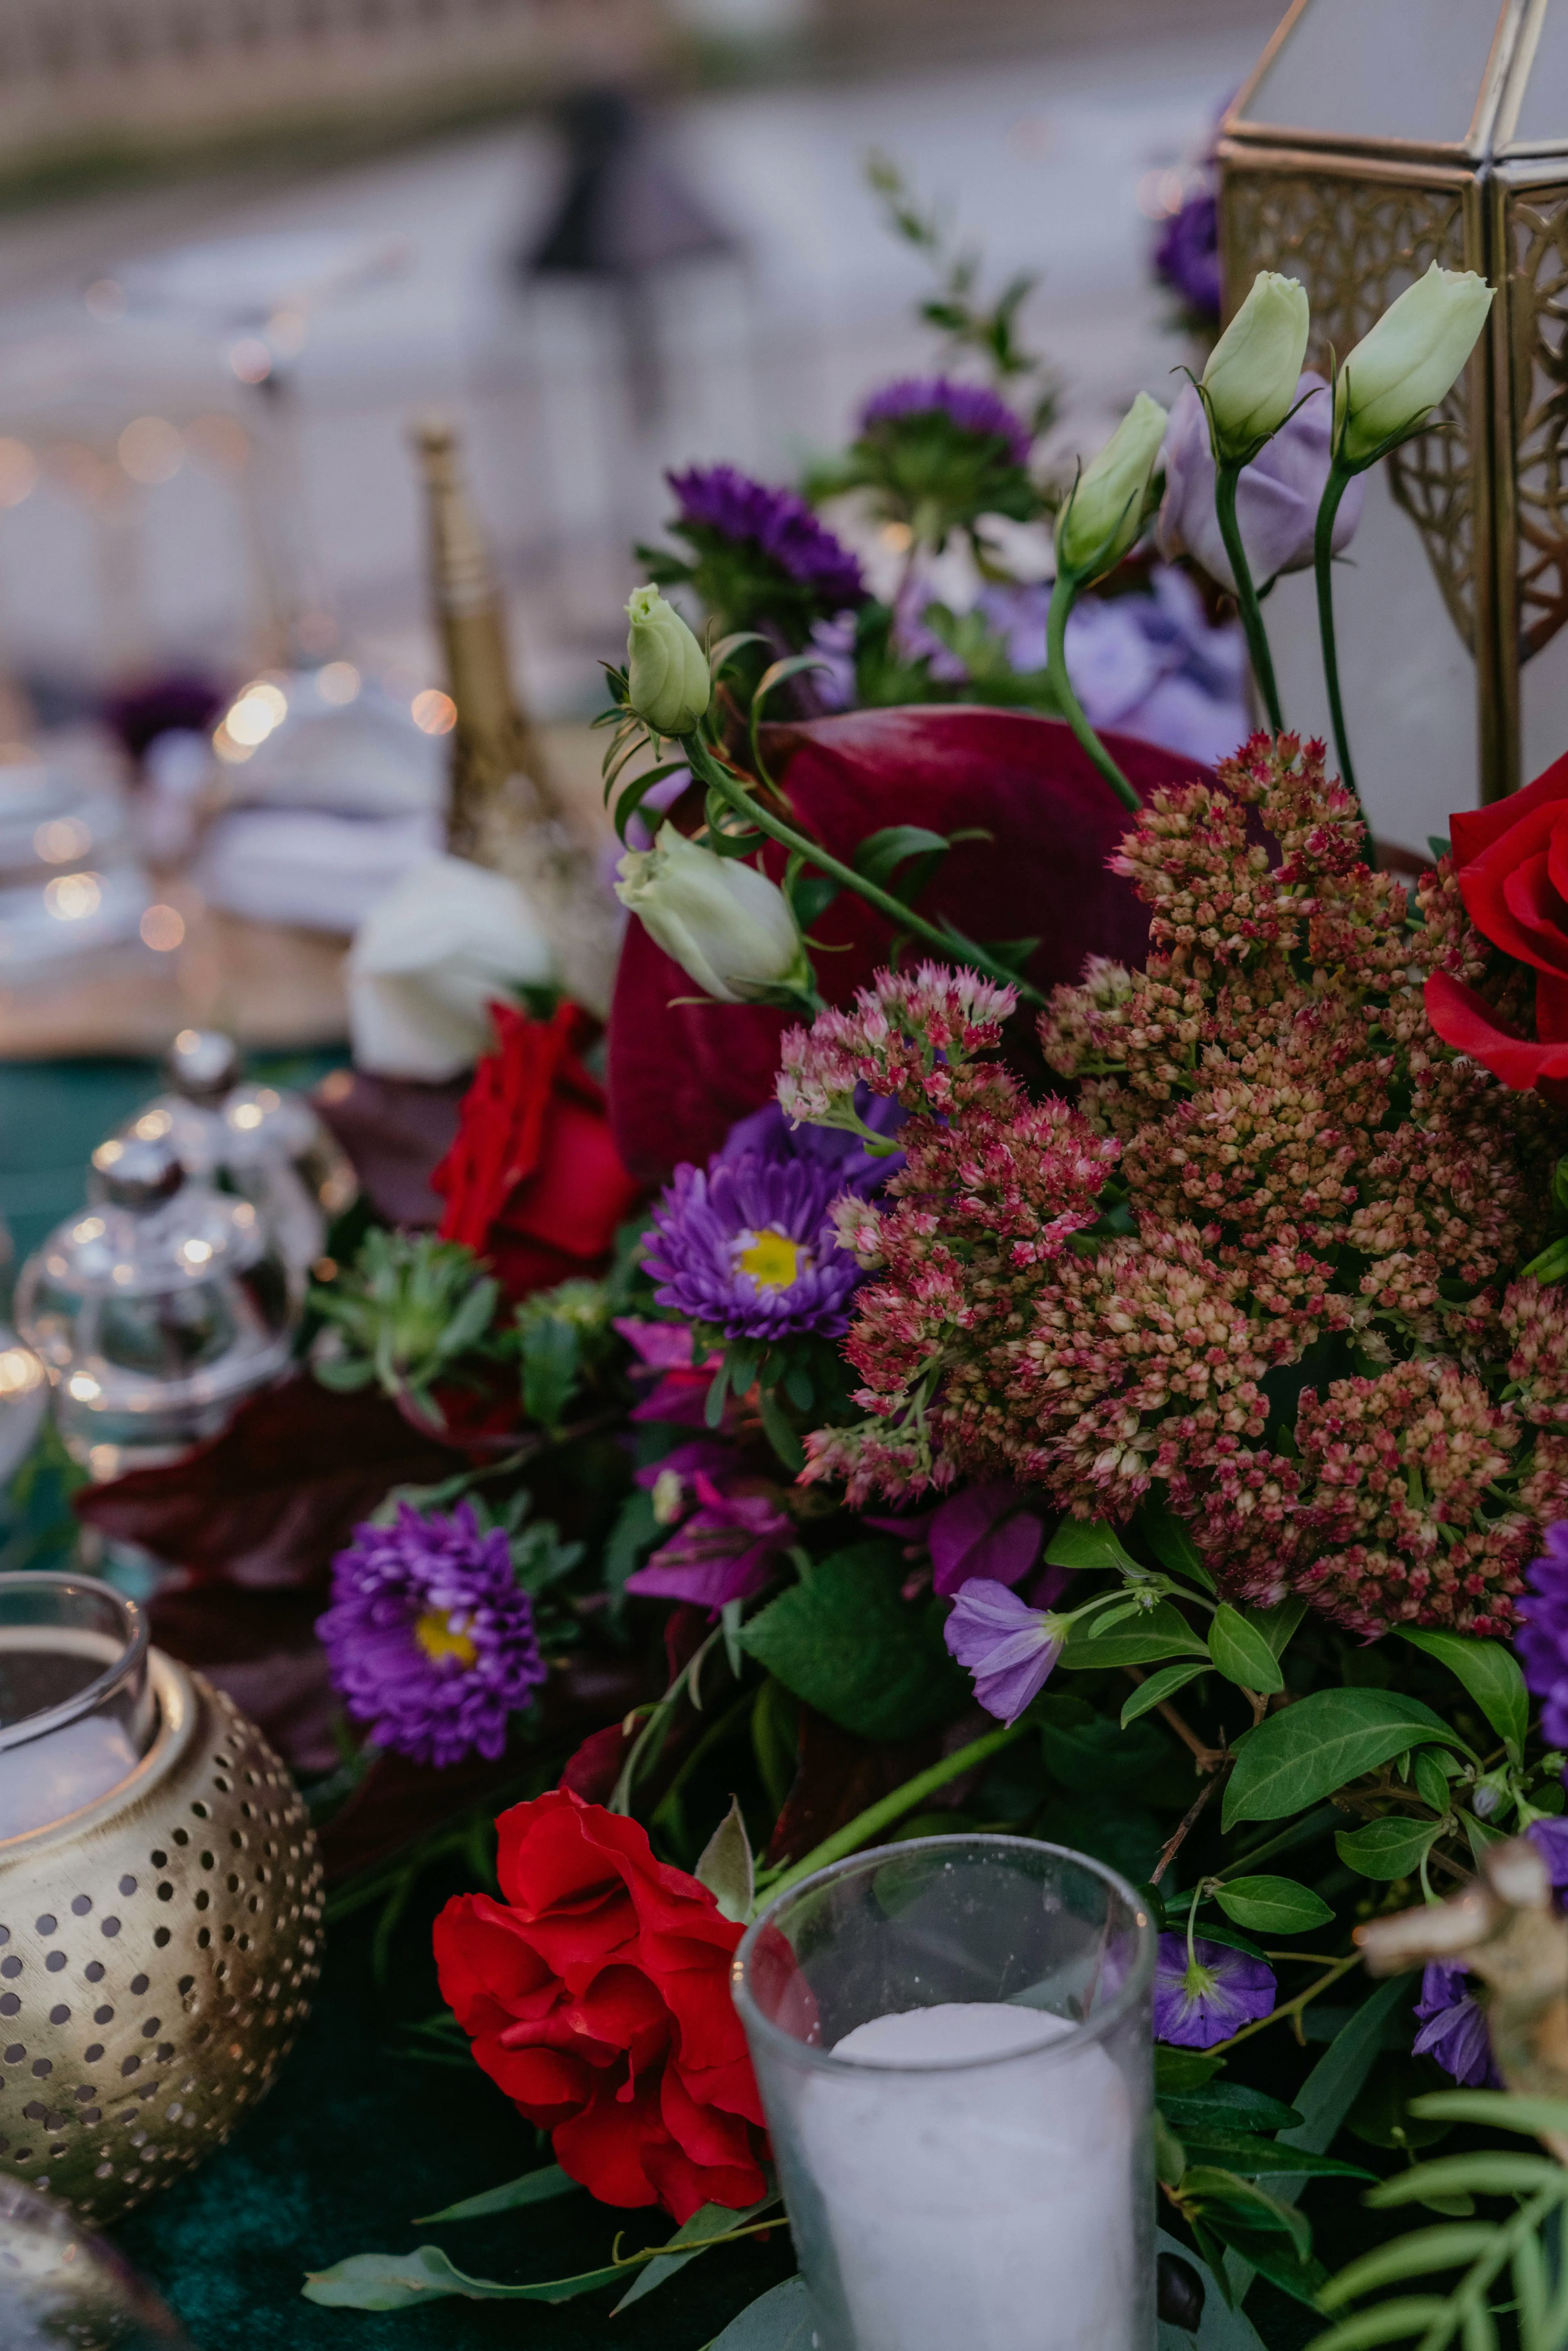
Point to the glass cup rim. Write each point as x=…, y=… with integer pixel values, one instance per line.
x=88, y=1699
x=1050, y=2045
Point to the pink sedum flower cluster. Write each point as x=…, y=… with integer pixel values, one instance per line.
x=1261, y=1265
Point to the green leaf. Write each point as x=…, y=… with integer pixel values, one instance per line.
x=1158, y=1632
x=1240, y=1652
x=551, y=1352
x=1089, y=1753
x=881, y=854
x=1391, y=2322
x=1491, y=1672
x=725, y=1866
x=1273, y=2255
x=1180, y=2072
x=1215, y=2191
x=1272, y=1906
x=1170, y=2155
x=783, y=1439
x=782, y=2319
x=1306, y=1751
x=1416, y=2254
x=398, y=2281
x=1090, y=1542
x=1495, y=2110
x=1335, y=2082
x=1169, y=1541
x=1222, y=2329
x=689, y=2240
x=1227, y=2105
x=1248, y=2153
x=1388, y=1848
x=533, y=2187
x=1431, y=1780
x=849, y=1645
x=1279, y=1623
x=1161, y=1685
x=1480, y=2172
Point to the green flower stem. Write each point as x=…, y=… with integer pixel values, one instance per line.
x=708, y=771
x=1063, y=596
x=866, y=1826
x=1338, y=482
x=1290, y=2007
x=1226, y=478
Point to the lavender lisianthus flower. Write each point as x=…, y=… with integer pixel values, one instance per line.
x=780, y=526
x=972, y=407
x=1454, y=2028
x=724, y=1551
x=429, y=1639
x=1276, y=498
x=1542, y=1640
x=1008, y=1646
x=1206, y=1998
x=1186, y=257
x=747, y=1245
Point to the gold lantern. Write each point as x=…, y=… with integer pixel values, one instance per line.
x=1374, y=138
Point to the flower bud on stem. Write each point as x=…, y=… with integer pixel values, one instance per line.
x=1227, y=473
x=1338, y=482
x=1063, y=596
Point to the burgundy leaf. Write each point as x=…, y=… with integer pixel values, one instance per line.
x=395, y=1131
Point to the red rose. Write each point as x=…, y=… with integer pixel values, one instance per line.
x=1512, y=861
x=597, y=1995
x=533, y=1181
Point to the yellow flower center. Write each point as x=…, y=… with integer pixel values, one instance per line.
x=771, y=1259
x=436, y=1637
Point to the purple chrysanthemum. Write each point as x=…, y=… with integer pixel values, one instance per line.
x=1009, y=1646
x=972, y=407
x=1203, y=1999
x=1454, y=2028
x=747, y=1245
x=723, y=499
x=1542, y=1636
x=724, y=1551
x=429, y=1639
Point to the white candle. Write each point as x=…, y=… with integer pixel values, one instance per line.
x=986, y=2208
x=43, y=1779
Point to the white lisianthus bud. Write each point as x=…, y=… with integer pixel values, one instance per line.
x=1410, y=360
x=722, y=920
x=1250, y=379
x=1107, y=510
x=667, y=681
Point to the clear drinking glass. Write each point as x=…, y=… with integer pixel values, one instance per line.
x=76, y=1713
x=952, y=2040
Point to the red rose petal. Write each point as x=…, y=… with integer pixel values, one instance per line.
x=1473, y=829
x=546, y=2084
x=1518, y=922
x=489, y=1973
x=1465, y=1021
x=603, y=2148
x=706, y=2134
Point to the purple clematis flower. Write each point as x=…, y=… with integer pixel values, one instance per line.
x=1454, y=2028
x=1207, y=1999
x=989, y=1532
x=1277, y=498
x=781, y=526
x=749, y=1246
x=1008, y=1646
x=1550, y=1839
x=725, y=1552
x=972, y=407
x=429, y=1639
x=1543, y=1637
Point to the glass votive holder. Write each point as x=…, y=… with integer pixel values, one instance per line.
x=76, y=1713
x=952, y=2039
x=60, y=2285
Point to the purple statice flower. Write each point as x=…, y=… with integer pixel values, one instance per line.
x=1543, y=1637
x=1203, y=1999
x=988, y=1533
x=781, y=526
x=747, y=1245
x=429, y=1638
x=1454, y=2028
x=972, y=407
x=1008, y=1646
x=1186, y=257
x=725, y=1552
x=767, y=1134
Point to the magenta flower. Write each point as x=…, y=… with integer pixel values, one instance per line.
x=724, y=1551
x=1542, y=1639
x=1008, y=1646
x=1206, y=1998
x=1277, y=498
x=672, y=1480
x=970, y=406
x=749, y=1246
x=429, y=1639
x=780, y=526
x=1454, y=2028
x=676, y=1386
x=988, y=1532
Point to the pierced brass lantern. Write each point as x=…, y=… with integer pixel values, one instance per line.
x=1374, y=138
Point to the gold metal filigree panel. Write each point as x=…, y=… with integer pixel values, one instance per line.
x=1535, y=243
x=1357, y=241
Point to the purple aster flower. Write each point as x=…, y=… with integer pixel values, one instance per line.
x=990, y=1533
x=1008, y=1646
x=1186, y=257
x=724, y=1551
x=429, y=1638
x=1203, y=1999
x=970, y=406
x=747, y=1245
x=1454, y=2028
x=781, y=526
x=1543, y=1637
x=767, y=1134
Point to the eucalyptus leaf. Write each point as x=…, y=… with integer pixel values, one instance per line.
x=690, y=2238
x=1306, y=1751
x=782, y=2319
x=1242, y=1653
x=399, y=2280
x=725, y=1866
x=533, y=2187
x=1489, y=1672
